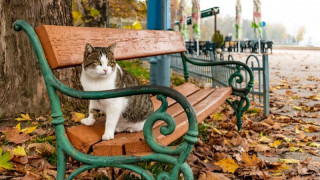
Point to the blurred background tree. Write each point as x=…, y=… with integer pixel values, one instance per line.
x=112, y=13
x=300, y=34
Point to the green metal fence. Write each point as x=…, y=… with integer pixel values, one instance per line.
x=219, y=75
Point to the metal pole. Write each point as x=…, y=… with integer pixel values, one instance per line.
x=265, y=64
x=159, y=19
x=215, y=22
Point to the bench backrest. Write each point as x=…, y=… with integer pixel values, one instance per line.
x=64, y=45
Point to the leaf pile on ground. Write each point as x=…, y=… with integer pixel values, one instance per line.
x=285, y=145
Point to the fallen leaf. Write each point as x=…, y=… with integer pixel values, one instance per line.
x=265, y=140
x=227, y=165
x=262, y=148
x=293, y=149
x=313, y=144
x=24, y=117
x=277, y=170
x=41, y=148
x=5, y=161
x=275, y=144
x=311, y=128
x=212, y=176
x=289, y=161
x=20, y=159
x=251, y=162
x=77, y=117
x=26, y=130
x=289, y=93
x=297, y=130
x=40, y=132
x=216, y=130
x=217, y=116
x=16, y=137
x=19, y=151
x=31, y=176
x=297, y=108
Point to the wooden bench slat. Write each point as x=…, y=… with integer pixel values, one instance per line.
x=135, y=141
x=64, y=45
x=203, y=110
x=185, y=89
x=93, y=133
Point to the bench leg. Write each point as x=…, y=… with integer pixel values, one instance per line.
x=185, y=69
x=61, y=165
x=239, y=109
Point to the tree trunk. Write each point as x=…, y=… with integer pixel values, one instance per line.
x=22, y=86
x=174, y=5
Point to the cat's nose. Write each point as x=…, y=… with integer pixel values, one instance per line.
x=105, y=71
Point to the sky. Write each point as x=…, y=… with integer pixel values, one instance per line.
x=291, y=13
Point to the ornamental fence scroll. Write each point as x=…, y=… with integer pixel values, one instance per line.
x=219, y=75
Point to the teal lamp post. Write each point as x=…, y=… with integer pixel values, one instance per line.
x=159, y=19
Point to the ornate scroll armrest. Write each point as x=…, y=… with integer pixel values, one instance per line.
x=176, y=156
x=239, y=106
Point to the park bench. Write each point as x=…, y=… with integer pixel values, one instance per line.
x=177, y=111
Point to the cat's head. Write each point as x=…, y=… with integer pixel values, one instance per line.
x=99, y=61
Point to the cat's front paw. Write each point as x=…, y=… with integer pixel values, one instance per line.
x=88, y=121
x=108, y=136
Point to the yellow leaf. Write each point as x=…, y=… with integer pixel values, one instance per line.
x=289, y=161
x=217, y=116
x=216, y=131
x=29, y=129
x=77, y=117
x=18, y=127
x=295, y=97
x=26, y=130
x=279, y=169
x=313, y=144
x=297, y=108
x=311, y=128
x=287, y=139
x=227, y=165
x=283, y=118
x=297, y=129
x=275, y=144
x=24, y=117
x=19, y=151
x=293, y=149
x=264, y=139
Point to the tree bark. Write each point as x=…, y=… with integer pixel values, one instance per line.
x=22, y=89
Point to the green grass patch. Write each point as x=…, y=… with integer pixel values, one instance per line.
x=177, y=80
x=50, y=139
x=203, y=132
x=135, y=67
x=253, y=110
x=53, y=158
x=155, y=168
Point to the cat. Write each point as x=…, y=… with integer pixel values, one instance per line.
x=101, y=72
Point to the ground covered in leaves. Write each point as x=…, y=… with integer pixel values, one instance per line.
x=285, y=145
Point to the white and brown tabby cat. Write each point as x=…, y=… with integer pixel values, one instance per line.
x=101, y=72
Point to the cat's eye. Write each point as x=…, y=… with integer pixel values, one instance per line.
x=109, y=63
x=97, y=63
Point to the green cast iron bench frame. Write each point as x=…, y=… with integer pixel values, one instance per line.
x=176, y=156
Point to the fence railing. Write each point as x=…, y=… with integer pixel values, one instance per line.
x=219, y=75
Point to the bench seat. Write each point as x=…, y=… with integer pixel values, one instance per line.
x=87, y=139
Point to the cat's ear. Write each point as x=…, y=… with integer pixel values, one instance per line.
x=89, y=48
x=112, y=47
